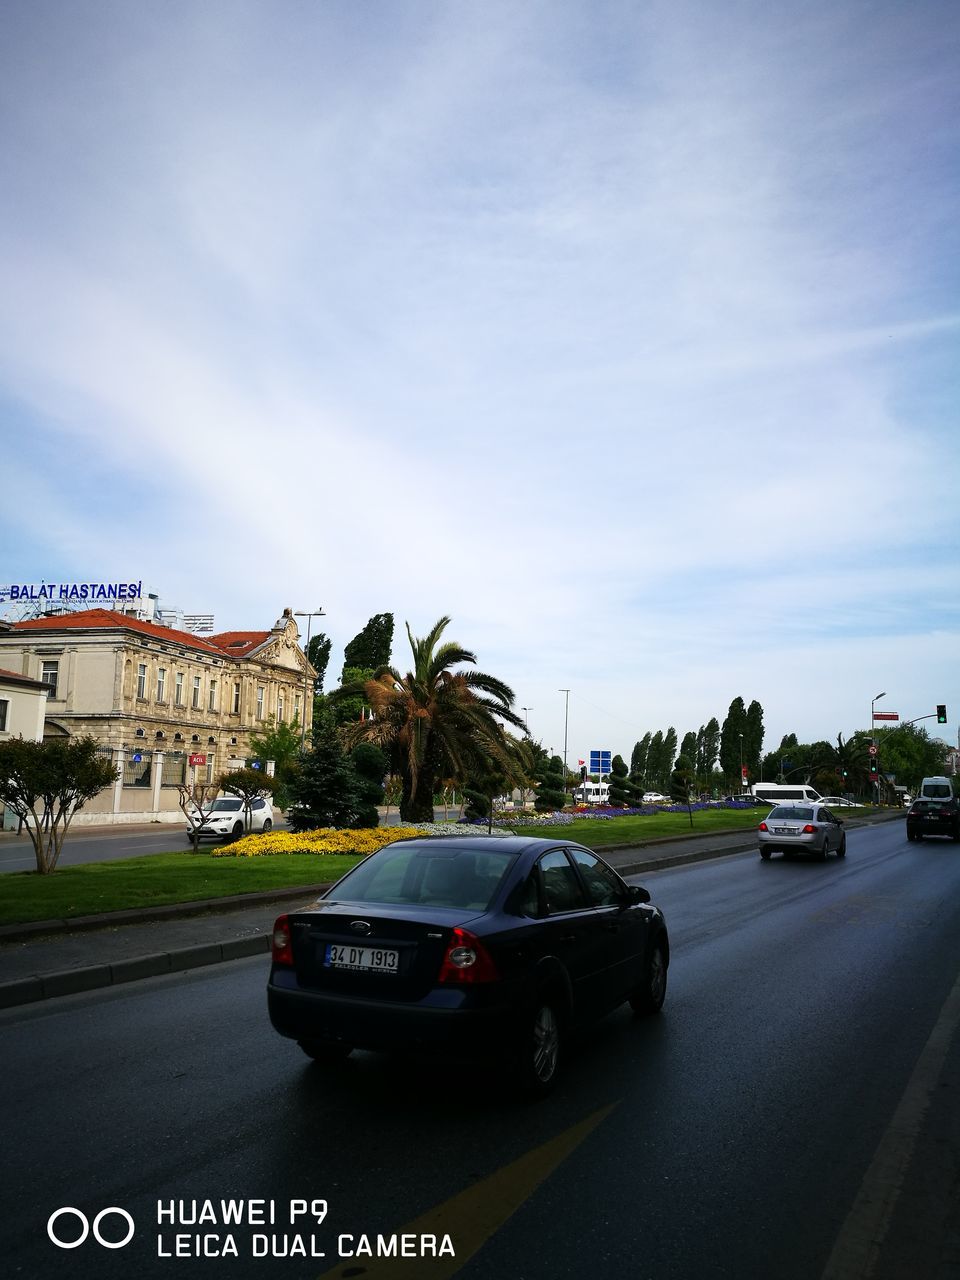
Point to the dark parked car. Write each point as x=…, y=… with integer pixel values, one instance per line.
x=933, y=818
x=467, y=946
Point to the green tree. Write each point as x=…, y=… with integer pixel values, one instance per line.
x=326, y=791
x=910, y=754
x=550, y=794
x=318, y=655
x=47, y=783
x=734, y=726
x=619, y=782
x=681, y=780
x=638, y=761
x=349, y=707
x=669, y=752
x=753, y=738
x=435, y=722
x=688, y=747
x=655, y=760
x=370, y=649
x=281, y=744
x=370, y=765
x=709, y=748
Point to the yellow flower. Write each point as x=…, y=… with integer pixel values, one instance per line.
x=323, y=840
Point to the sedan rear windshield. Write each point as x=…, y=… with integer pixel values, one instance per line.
x=412, y=874
x=792, y=812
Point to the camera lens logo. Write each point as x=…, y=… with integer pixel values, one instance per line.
x=85, y=1228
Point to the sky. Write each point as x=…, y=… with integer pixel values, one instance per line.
x=624, y=334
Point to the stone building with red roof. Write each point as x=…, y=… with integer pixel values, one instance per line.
x=154, y=697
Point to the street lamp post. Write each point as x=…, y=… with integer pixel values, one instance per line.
x=873, y=732
x=526, y=726
x=740, y=736
x=566, y=709
x=309, y=614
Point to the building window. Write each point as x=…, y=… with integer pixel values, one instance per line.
x=3, y=713
x=236, y=698
x=260, y=692
x=196, y=693
x=173, y=772
x=161, y=683
x=49, y=677
x=296, y=707
x=280, y=707
x=142, y=680
x=178, y=689
x=212, y=700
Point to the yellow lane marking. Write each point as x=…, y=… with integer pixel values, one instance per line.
x=857, y=1248
x=473, y=1216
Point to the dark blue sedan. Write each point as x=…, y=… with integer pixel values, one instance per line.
x=467, y=946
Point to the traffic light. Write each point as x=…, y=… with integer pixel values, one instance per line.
x=844, y=772
x=941, y=713
x=873, y=766
x=583, y=773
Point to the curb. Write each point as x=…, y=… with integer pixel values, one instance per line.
x=72, y=981
x=145, y=915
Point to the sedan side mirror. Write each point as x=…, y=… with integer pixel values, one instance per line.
x=638, y=893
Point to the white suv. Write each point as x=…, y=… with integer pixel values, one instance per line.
x=226, y=818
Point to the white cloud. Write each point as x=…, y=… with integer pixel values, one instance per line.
x=610, y=335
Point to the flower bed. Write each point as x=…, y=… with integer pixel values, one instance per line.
x=335, y=840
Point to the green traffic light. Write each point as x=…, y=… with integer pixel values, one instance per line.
x=941, y=713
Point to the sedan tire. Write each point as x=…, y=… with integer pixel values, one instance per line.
x=765, y=854
x=648, y=997
x=538, y=1052
x=842, y=847
x=267, y=824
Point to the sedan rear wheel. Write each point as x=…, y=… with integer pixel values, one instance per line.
x=538, y=1054
x=765, y=854
x=649, y=995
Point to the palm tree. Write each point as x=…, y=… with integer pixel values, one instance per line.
x=434, y=722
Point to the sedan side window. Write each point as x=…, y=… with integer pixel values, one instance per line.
x=561, y=888
x=603, y=886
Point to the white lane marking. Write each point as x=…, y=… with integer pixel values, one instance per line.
x=857, y=1248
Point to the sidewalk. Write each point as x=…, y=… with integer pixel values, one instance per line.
x=39, y=962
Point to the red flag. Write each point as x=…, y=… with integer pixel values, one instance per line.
x=581, y=762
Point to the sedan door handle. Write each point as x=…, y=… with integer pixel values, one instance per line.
x=569, y=937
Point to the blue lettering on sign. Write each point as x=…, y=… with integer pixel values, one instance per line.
x=74, y=591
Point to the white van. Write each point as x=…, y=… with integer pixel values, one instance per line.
x=780, y=793
x=592, y=793
x=935, y=789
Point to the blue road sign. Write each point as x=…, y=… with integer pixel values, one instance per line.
x=600, y=762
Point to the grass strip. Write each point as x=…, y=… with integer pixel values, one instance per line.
x=157, y=880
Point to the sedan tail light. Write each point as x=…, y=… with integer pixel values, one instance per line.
x=467, y=960
x=809, y=829
x=763, y=827
x=281, y=947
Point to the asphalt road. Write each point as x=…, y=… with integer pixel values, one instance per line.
x=795, y=1105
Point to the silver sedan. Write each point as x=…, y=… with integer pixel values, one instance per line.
x=802, y=828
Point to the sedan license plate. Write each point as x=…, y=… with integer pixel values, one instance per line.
x=784, y=831
x=360, y=959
